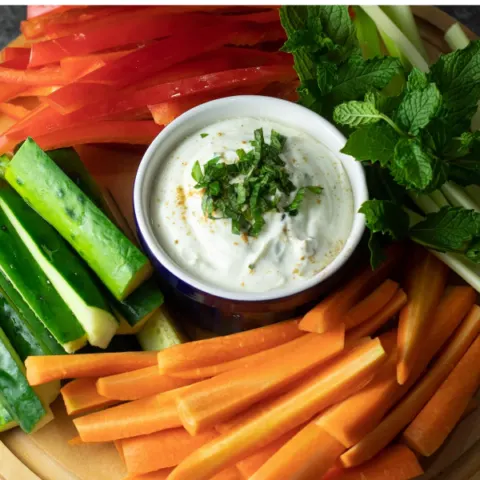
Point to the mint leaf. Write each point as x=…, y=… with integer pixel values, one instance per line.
x=417, y=108
x=412, y=166
x=473, y=252
x=457, y=76
x=382, y=102
x=358, y=76
x=382, y=186
x=417, y=80
x=451, y=229
x=326, y=77
x=203, y=135
x=356, y=113
x=440, y=174
x=377, y=254
x=383, y=216
x=293, y=18
x=465, y=171
x=294, y=207
x=197, y=174
x=374, y=143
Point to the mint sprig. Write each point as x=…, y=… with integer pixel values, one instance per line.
x=255, y=184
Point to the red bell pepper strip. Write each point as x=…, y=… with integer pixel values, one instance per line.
x=40, y=91
x=136, y=132
x=8, y=91
x=45, y=119
x=118, y=30
x=154, y=58
x=74, y=68
x=16, y=112
x=40, y=10
x=19, y=63
x=10, y=53
x=166, y=112
x=43, y=76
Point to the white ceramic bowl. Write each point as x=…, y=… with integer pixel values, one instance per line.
x=281, y=111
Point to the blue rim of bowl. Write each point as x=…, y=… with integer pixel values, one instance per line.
x=141, y=208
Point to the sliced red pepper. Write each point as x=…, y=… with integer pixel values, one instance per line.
x=166, y=112
x=45, y=119
x=10, y=53
x=40, y=91
x=74, y=68
x=40, y=10
x=17, y=112
x=19, y=63
x=259, y=17
x=42, y=76
x=10, y=90
x=136, y=132
x=147, y=61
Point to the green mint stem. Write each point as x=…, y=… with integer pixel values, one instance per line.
x=393, y=125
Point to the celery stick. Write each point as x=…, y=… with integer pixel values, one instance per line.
x=367, y=34
x=461, y=265
x=403, y=17
x=424, y=202
x=456, y=38
x=474, y=192
x=439, y=198
x=384, y=24
x=458, y=197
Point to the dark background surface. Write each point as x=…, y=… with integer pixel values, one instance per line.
x=10, y=17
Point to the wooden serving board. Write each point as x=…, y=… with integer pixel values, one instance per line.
x=46, y=454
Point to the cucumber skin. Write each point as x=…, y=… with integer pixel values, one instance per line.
x=29, y=320
x=24, y=273
x=65, y=261
x=16, y=394
x=147, y=297
x=119, y=264
x=6, y=420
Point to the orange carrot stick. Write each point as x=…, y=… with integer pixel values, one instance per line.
x=371, y=325
x=140, y=417
x=44, y=369
x=209, y=402
x=354, y=418
x=371, y=305
x=411, y=405
x=329, y=312
x=223, y=349
x=272, y=354
x=81, y=395
x=428, y=282
x=158, y=450
x=248, y=466
x=228, y=474
x=471, y=407
x=270, y=421
x=397, y=462
x=444, y=410
x=349, y=421
x=138, y=384
x=307, y=456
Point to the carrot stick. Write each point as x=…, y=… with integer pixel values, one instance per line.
x=228, y=474
x=270, y=421
x=444, y=410
x=140, y=417
x=411, y=405
x=118, y=446
x=256, y=359
x=81, y=395
x=44, y=369
x=209, y=402
x=427, y=285
x=354, y=418
x=307, y=456
x=371, y=305
x=349, y=421
x=223, y=349
x=397, y=462
x=138, y=384
x=329, y=312
x=248, y=466
x=371, y=325
x=158, y=450
x=471, y=407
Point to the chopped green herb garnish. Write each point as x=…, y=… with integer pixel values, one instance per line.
x=203, y=135
x=255, y=184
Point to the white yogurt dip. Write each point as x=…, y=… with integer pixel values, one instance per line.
x=289, y=249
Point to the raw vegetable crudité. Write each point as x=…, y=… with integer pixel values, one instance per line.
x=327, y=395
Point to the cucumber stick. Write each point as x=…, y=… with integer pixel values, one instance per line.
x=160, y=332
x=23, y=272
x=65, y=270
x=21, y=316
x=16, y=395
x=120, y=265
x=7, y=421
x=136, y=309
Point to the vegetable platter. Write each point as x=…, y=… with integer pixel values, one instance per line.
x=180, y=401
